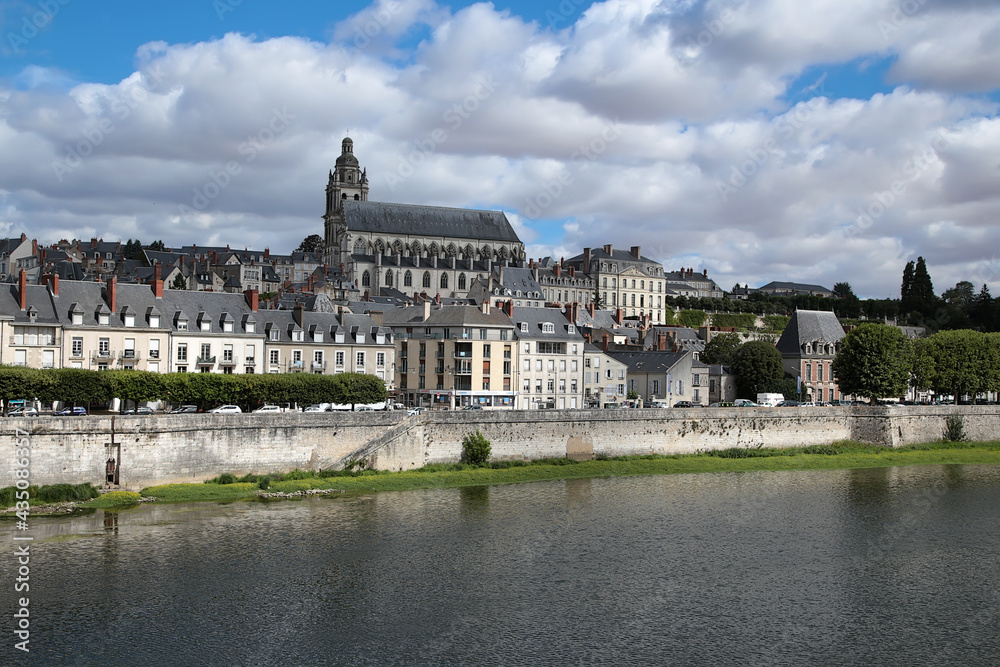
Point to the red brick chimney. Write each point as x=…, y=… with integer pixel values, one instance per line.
x=586, y=260
x=113, y=293
x=637, y=251
x=253, y=297
x=590, y=308
x=508, y=308
x=572, y=272
x=93, y=243
x=22, y=289
x=34, y=247
x=157, y=281
x=54, y=284
x=619, y=316
x=557, y=269
x=605, y=341
x=267, y=253
x=704, y=272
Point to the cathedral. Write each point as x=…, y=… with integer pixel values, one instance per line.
x=392, y=248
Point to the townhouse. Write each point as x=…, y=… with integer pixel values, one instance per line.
x=550, y=348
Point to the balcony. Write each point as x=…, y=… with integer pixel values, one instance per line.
x=319, y=365
x=205, y=361
x=102, y=355
x=462, y=354
x=21, y=340
x=154, y=354
x=251, y=361
x=295, y=366
x=229, y=360
x=129, y=355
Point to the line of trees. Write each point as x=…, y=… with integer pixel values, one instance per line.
x=876, y=361
x=85, y=387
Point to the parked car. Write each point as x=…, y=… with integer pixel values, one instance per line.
x=315, y=408
x=683, y=404
x=473, y=407
x=184, y=409
x=71, y=412
x=364, y=408
x=721, y=404
x=266, y=408
x=141, y=410
x=788, y=404
x=23, y=412
x=745, y=403
x=226, y=410
x=412, y=412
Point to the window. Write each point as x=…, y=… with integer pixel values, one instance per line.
x=697, y=380
x=251, y=357
x=538, y=365
x=227, y=326
x=526, y=386
x=227, y=353
x=527, y=364
x=380, y=359
x=586, y=362
x=444, y=281
x=388, y=278
x=548, y=327
x=104, y=347
x=819, y=372
x=182, y=352
x=808, y=372
x=573, y=386
x=538, y=386
x=407, y=279
x=206, y=350
x=550, y=385
x=359, y=362
x=427, y=279
x=574, y=366
x=461, y=281
x=656, y=387
x=129, y=320
x=77, y=348
x=506, y=367
x=562, y=386
x=129, y=348
x=338, y=359
x=552, y=364
x=366, y=279
x=154, y=348
x=275, y=357
x=524, y=327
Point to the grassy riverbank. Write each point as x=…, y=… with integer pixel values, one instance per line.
x=842, y=455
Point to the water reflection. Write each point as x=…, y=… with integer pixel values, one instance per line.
x=824, y=567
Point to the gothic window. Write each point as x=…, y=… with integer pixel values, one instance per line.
x=502, y=253
x=407, y=279
x=415, y=248
x=461, y=282
x=360, y=247
x=444, y=281
x=388, y=278
x=379, y=247
x=470, y=251
x=433, y=250
x=451, y=251
x=397, y=247
x=366, y=279
x=486, y=252
x=427, y=279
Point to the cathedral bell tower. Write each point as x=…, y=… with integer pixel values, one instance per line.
x=348, y=182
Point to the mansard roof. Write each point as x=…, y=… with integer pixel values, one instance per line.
x=432, y=221
x=809, y=326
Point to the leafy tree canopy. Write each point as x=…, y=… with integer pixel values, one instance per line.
x=757, y=366
x=311, y=243
x=874, y=361
x=721, y=349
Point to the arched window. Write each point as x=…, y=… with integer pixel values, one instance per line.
x=451, y=250
x=379, y=247
x=343, y=196
x=444, y=281
x=415, y=248
x=461, y=281
x=470, y=251
x=360, y=247
x=407, y=279
x=366, y=279
x=427, y=279
x=397, y=247
x=357, y=197
x=433, y=250
x=388, y=278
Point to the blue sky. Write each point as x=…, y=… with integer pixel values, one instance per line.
x=760, y=140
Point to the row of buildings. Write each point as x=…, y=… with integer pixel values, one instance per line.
x=433, y=354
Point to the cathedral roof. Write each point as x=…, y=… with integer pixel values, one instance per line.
x=382, y=218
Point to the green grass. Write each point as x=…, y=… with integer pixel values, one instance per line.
x=839, y=455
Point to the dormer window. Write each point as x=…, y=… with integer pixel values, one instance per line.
x=227, y=323
x=339, y=336
x=570, y=329
x=297, y=335
x=524, y=327
x=32, y=314
x=318, y=335
x=361, y=337
x=548, y=327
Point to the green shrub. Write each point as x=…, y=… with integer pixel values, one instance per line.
x=264, y=483
x=820, y=449
x=117, y=498
x=58, y=493
x=476, y=449
x=954, y=430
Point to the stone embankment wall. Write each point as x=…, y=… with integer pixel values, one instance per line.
x=185, y=448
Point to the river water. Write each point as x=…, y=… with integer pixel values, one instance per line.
x=865, y=567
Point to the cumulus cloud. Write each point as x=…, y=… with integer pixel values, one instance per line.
x=659, y=123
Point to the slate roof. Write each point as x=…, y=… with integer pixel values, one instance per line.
x=283, y=321
x=535, y=317
x=616, y=254
x=808, y=326
x=450, y=316
x=383, y=218
x=648, y=362
x=793, y=287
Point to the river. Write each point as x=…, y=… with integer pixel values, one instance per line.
x=880, y=566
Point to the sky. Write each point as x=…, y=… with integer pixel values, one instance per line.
x=815, y=141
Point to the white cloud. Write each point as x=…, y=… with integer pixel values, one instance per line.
x=652, y=123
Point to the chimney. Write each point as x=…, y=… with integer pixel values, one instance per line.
x=572, y=272
x=605, y=341
x=24, y=236
x=157, y=272
x=590, y=307
x=34, y=247
x=486, y=306
x=113, y=294
x=54, y=284
x=427, y=310
x=227, y=247
x=557, y=269
x=93, y=243
x=608, y=248
x=704, y=272
x=508, y=308
x=437, y=298
x=637, y=251
x=378, y=317
x=22, y=289
x=586, y=260
x=158, y=288
x=253, y=299
x=619, y=316
x=215, y=257
x=297, y=313
x=531, y=263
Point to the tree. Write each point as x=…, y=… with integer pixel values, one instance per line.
x=874, y=361
x=133, y=250
x=843, y=290
x=957, y=362
x=757, y=366
x=179, y=282
x=136, y=385
x=354, y=388
x=721, y=349
x=597, y=300
x=906, y=289
x=157, y=246
x=692, y=318
x=311, y=243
